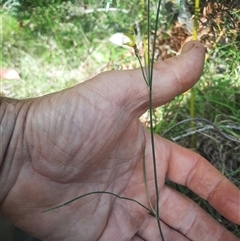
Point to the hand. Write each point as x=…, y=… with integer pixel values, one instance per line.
x=88, y=138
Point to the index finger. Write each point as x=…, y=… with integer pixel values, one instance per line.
x=190, y=169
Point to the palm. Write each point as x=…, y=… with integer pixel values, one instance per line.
x=87, y=139
x=106, y=159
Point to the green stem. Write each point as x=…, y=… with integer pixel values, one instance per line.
x=192, y=100
x=151, y=111
x=98, y=192
x=148, y=45
x=144, y=76
x=145, y=182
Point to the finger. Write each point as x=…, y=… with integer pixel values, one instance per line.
x=189, y=219
x=176, y=75
x=190, y=169
x=149, y=231
x=137, y=238
x=172, y=77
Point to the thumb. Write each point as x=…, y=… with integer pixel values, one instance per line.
x=171, y=77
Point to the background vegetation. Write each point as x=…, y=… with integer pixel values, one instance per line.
x=57, y=44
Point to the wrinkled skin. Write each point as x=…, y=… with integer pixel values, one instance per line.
x=88, y=138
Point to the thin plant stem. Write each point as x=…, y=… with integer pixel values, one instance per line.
x=195, y=27
x=192, y=115
x=99, y=192
x=145, y=47
x=145, y=182
x=192, y=99
x=148, y=45
x=150, y=68
x=142, y=69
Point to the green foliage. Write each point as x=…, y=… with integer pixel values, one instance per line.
x=42, y=41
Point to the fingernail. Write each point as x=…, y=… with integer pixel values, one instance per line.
x=188, y=46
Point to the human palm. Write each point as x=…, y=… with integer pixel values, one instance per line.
x=88, y=139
